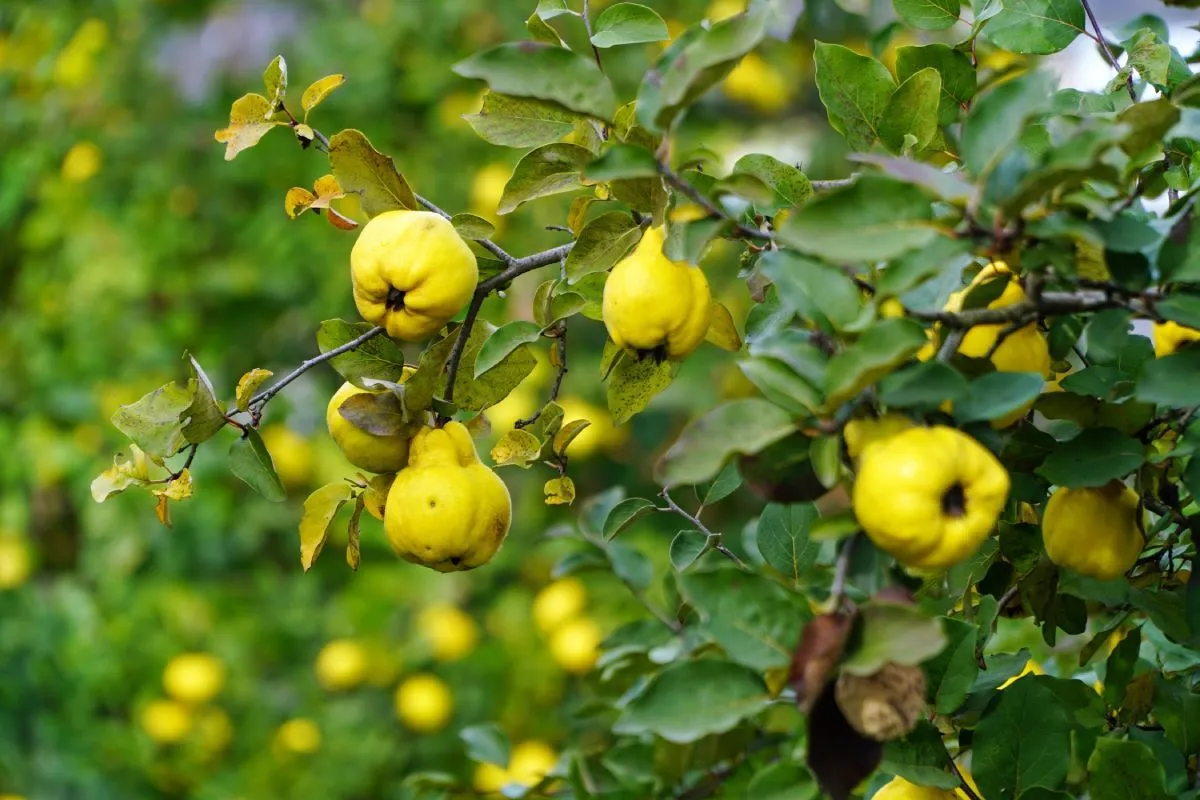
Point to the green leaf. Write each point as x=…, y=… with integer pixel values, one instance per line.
x=816, y=291
x=686, y=548
x=204, y=416
x=1036, y=26
x=486, y=744
x=155, y=422
x=881, y=349
x=874, y=219
x=521, y=121
x=1172, y=380
x=250, y=461
x=629, y=565
x=923, y=386
x=503, y=341
x=546, y=170
x=790, y=187
x=1118, y=670
x=1022, y=742
x=1149, y=55
x=1123, y=770
x=997, y=394
x=952, y=672
x=628, y=23
x=728, y=481
x=472, y=226
x=623, y=161
x=1093, y=458
x=275, y=79
x=954, y=67
x=1178, y=709
x=379, y=357
x=634, y=382
x=898, y=633
x=783, y=781
x=727, y=692
x=912, y=111
x=476, y=392
x=542, y=31
x=361, y=168
x=783, y=538
x=918, y=266
x=625, y=513
x=603, y=242
x=545, y=72
x=855, y=90
x=319, y=510
x=739, y=426
x=920, y=757
x=780, y=384
x=928, y=15
x=949, y=186
x=998, y=118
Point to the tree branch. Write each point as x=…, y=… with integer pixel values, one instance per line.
x=587, y=26
x=261, y=399
x=696, y=196
x=560, y=344
x=837, y=589
x=713, y=537
x=1108, y=53
x=486, y=244
x=964, y=787
x=837, y=183
x=1049, y=303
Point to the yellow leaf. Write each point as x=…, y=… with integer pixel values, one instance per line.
x=297, y=201
x=337, y=220
x=162, y=510
x=578, y=212
x=178, y=489
x=318, y=90
x=559, y=491
x=275, y=79
x=327, y=189
x=319, y=510
x=304, y=133
x=516, y=448
x=248, y=122
x=134, y=471
x=353, y=550
x=567, y=434
x=721, y=330
x=247, y=385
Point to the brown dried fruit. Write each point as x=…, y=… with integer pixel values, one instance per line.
x=820, y=649
x=885, y=705
x=838, y=755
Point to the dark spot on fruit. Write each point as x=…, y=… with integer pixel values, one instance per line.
x=395, y=299
x=954, y=501
x=455, y=560
x=432, y=503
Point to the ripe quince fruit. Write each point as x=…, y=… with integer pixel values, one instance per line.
x=1093, y=531
x=929, y=496
x=559, y=602
x=450, y=632
x=365, y=450
x=1031, y=668
x=575, y=645
x=859, y=434
x=411, y=273
x=194, y=678
x=655, y=306
x=341, y=665
x=759, y=85
x=446, y=510
x=899, y=789
x=1170, y=336
x=424, y=703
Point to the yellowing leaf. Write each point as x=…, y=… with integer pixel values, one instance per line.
x=162, y=510
x=319, y=510
x=559, y=491
x=340, y=221
x=297, y=201
x=275, y=79
x=721, y=330
x=248, y=384
x=134, y=471
x=353, y=549
x=178, y=489
x=567, y=434
x=325, y=191
x=516, y=448
x=318, y=90
x=248, y=122
x=361, y=168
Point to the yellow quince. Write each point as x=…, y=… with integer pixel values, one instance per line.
x=1031, y=668
x=1170, y=336
x=194, y=678
x=411, y=273
x=424, y=703
x=759, y=85
x=929, y=496
x=446, y=510
x=1093, y=531
x=363, y=449
x=655, y=306
x=899, y=789
x=859, y=434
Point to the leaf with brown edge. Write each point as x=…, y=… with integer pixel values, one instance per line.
x=839, y=756
x=361, y=168
x=559, y=491
x=325, y=191
x=318, y=90
x=822, y=643
x=162, y=510
x=248, y=122
x=380, y=414
x=297, y=201
x=247, y=385
x=721, y=330
x=319, y=510
x=353, y=548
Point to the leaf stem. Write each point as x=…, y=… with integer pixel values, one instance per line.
x=560, y=343
x=841, y=569
x=719, y=546
x=1108, y=53
x=587, y=26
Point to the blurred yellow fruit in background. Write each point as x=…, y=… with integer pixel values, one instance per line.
x=82, y=162
x=291, y=453
x=758, y=84
x=214, y=729
x=166, y=721
x=490, y=778
x=194, y=678
x=15, y=562
x=530, y=762
x=487, y=187
x=450, y=631
x=601, y=434
x=520, y=404
x=341, y=665
x=1031, y=668
x=76, y=63
x=424, y=703
x=557, y=603
x=724, y=9
x=575, y=645
x=300, y=736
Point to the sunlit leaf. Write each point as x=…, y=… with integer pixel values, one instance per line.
x=248, y=123
x=319, y=511
x=318, y=90
x=559, y=491
x=247, y=386
x=361, y=168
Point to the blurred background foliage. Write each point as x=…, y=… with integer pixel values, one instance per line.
x=126, y=240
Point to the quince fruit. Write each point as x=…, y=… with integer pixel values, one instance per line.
x=450, y=632
x=341, y=665
x=411, y=273
x=899, y=789
x=363, y=449
x=759, y=85
x=424, y=703
x=929, y=496
x=194, y=678
x=655, y=306
x=1170, y=336
x=446, y=510
x=1093, y=531
x=859, y=434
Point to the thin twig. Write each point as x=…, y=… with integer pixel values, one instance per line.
x=261, y=399
x=587, y=26
x=713, y=537
x=675, y=179
x=1108, y=53
x=486, y=244
x=950, y=345
x=964, y=787
x=1050, y=303
x=841, y=569
x=560, y=344
x=836, y=183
